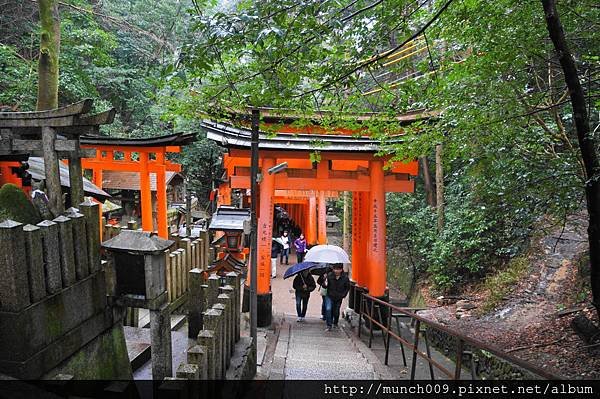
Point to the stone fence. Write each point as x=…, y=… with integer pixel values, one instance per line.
x=214, y=323
x=53, y=297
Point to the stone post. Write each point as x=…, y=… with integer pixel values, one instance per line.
x=230, y=292
x=233, y=279
x=197, y=355
x=35, y=263
x=186, y=245
x=206, y=339
x=49, y=231
x=80, y=246
x=14, y=287
x=160, y=330
x=225, y=302
x=65, y=242
x=223, y=331
x=188, y=371
x=212, y=321
x=91, y=211
x=213, y=289
x=195, y=303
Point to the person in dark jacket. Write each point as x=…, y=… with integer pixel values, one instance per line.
x=338, y=286
x=304, y=284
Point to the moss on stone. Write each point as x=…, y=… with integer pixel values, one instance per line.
x=15, y=205
x=104, y=358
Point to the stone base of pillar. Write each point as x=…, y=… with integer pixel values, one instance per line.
x=264, y=305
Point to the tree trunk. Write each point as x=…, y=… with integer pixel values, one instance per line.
x=49, y=54
x=439, y=186
x=428, y=183
x=586, y=142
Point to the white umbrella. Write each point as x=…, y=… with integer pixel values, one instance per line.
x=326, y=254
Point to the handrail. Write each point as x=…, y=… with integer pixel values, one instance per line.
x=462, y=339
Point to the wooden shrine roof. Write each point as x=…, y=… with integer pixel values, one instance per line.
x=176, y=139
x=238, y=137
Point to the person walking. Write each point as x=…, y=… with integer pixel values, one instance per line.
x=275, y=251
x=285, y=241
x=338, y=286
x=304, y=284
x=322, y=281
x=300, y=245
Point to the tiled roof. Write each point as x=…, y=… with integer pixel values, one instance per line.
x=130, y=180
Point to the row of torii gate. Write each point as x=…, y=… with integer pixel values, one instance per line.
x=348, y=161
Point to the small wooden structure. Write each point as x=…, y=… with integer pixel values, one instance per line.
x=54, y=135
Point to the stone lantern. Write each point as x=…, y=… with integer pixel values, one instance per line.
x=138, y=260
x=331, y=219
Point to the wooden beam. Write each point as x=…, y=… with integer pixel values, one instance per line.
x=359, y=184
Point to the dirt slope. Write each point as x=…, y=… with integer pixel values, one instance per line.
x=533, y=321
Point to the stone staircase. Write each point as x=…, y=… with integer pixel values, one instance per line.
x=306, y=351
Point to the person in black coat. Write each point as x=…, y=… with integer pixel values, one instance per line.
x=337, y=285
x=304, y=284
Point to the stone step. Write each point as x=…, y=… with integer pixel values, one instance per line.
x=330, y=349
x=308, y=354
x=323, y=354
x=331, y=364
x=311, y=374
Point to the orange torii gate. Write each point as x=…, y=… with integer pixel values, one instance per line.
x=348, y=162
x=144, y=156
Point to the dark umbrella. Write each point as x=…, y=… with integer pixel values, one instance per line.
x=297, y=268
x=320, y=269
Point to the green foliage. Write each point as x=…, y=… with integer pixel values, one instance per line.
x=501, y=284
x=15, y=205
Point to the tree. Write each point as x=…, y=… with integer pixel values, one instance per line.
x=587, y=144
x=49, y=55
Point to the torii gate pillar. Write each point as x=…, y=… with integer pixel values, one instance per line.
x=322, y=224
x=377, y=246
x=311, y=237
x=265, y=233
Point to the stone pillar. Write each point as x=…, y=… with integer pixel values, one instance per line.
x=82, y=269
x=229, y=291
x=186, y=244
x=49, y=231
x=197, y=355
x=195, y=303
x=91, y=211
x=35, y=263
x=160, y=329
x=225, y=307
x=233, y=280
x=206, y=339
x=14, y=287
x=76, y=178
x=188, y=371
x=213, y=289
x=212, y=321
x=67, y=258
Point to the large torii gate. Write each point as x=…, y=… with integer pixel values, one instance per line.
x=347, y=162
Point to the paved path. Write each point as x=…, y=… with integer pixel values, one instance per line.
x=306, y=351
